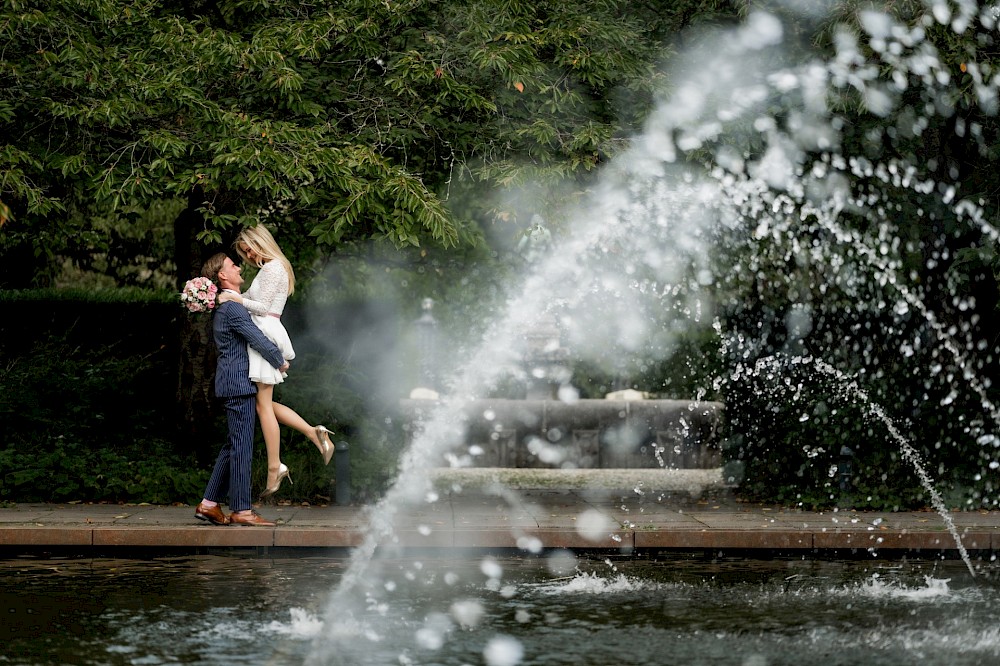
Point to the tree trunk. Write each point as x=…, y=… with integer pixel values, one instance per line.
x=196, y=408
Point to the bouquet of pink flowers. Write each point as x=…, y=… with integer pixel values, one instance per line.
x=199, y=295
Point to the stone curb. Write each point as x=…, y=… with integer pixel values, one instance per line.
x=534, y=520
x=207, y=536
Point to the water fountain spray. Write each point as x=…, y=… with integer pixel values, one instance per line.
x=646, y=236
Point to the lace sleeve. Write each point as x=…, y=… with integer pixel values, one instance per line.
x=254, y=307
x=269, y=290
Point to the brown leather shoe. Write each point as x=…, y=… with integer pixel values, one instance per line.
x=213, y=514
x=251, y=519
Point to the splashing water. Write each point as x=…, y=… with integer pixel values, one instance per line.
x=876, y=587
x=856, y=394
x=885, y=272
x=642, y=248
x=909, y=454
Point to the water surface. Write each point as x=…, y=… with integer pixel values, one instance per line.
x=224, y=610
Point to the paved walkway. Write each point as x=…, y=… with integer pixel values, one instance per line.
x=529, y=519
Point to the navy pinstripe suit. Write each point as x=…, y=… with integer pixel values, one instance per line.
x=233, y=330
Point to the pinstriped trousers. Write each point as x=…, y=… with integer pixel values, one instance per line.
x=231, y=474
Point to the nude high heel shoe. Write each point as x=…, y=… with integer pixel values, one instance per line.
x=282, y=475
x=325, y=443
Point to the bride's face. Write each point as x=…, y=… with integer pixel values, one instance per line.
x=250, y=254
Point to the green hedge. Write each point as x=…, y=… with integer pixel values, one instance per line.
x=85, y=377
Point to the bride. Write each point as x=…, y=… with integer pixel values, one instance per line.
x=265, y=300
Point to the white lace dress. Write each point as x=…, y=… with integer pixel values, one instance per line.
x=265, y=300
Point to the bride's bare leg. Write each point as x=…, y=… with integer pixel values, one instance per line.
x=289, y=417
x=272, y=433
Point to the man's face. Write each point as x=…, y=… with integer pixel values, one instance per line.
x=231, y=274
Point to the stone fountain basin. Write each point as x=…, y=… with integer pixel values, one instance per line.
x=583, y=434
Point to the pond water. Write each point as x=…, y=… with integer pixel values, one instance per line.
x=223, y=610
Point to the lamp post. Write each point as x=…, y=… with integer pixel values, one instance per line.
x=427, y=347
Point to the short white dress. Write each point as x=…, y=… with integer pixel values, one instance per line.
x=265, y=300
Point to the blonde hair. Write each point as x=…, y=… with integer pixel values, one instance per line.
x=260, y=240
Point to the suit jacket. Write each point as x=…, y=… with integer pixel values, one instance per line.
x=233, y=331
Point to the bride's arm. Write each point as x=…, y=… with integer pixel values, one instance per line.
x=270, y=283
x=255, y=307
x=252, y=306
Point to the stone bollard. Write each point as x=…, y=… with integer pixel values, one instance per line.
x=342, y=461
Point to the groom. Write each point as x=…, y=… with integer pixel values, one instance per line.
x=233, y=331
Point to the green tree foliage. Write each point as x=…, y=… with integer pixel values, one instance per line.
x=332, y=120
